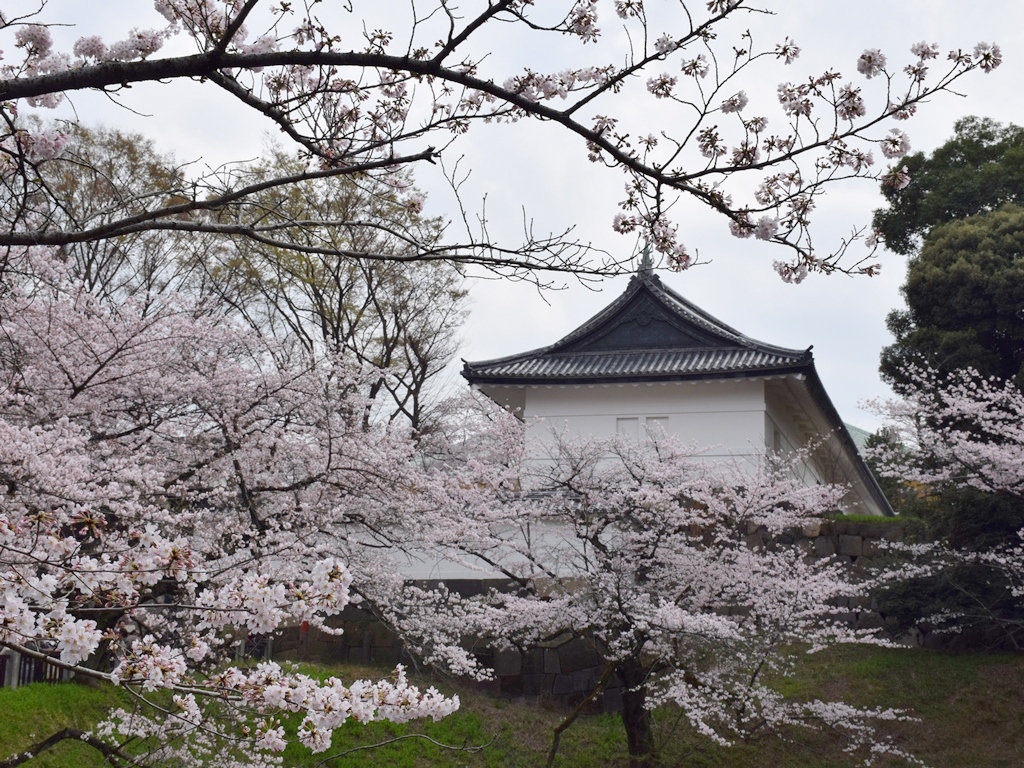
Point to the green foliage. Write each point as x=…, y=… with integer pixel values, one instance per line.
x=965, y=293
x=978, y=170
x=976, y=599
x=966, y=518
x=904, y=498
x=965, y=309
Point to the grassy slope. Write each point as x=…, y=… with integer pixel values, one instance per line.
x=30, y=714
x=971, y=710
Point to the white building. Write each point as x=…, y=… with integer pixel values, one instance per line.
x=652, y=360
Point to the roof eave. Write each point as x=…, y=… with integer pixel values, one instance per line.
x=541, y=381
x=820, y=396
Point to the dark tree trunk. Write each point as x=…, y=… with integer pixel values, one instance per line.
x=636, y=717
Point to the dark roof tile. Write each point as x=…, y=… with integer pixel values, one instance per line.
x=649, y=332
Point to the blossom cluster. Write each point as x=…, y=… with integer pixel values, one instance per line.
x=964, y=430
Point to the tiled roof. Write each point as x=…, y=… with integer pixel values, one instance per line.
x=641, y=363
x=650, y=332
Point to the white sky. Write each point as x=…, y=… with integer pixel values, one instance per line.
x=536, y=167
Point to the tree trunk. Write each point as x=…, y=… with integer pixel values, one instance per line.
x=635, y=715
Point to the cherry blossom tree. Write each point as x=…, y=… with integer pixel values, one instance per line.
x=962, y=429
x=669, y=567
x=965, y=431
x=368, y=89
x=172, y=482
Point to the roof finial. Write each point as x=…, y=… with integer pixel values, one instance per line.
x=646, y=262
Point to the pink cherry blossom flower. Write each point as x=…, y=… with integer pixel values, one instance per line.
x=735, y=103
x=849, y=104
x=896, y=144
x=787, y=50
x=697, y=67
x=988, y=56
x=871, y=63
x=925, y=50
x=766, y=228
x=897, y=177
x=661, y=86
x=35, y=39
x=91, y=47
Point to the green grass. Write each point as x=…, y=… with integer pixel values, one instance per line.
x=33, y=712
x=970, y=709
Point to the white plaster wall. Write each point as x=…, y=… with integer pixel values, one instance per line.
x=725, y=417
x=790, y=438
x=797, y=435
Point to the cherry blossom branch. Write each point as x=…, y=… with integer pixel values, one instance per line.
x=302, y=92
x=109, y=751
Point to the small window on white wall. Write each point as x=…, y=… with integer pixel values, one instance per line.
x=657, y=427
x=628, y=428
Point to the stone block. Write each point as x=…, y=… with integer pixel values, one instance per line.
x=511, y=685
x=537, y=685
x=584, y=680
x=353, y=635
x=611, y=700
x=806, y=547
x=851, y=545
x=824, y=546
x=467, y=587
x=755, y=540
x=385, y=654
x=577, y=655
x=870, y=620
x=351, y=612
x=533, y=662
x=913, y=638
x=557, y=641
x=378, y=634
x=811, y=529
x=562, y=685
x=551, y=665
x=894, y=533
x=508, y=662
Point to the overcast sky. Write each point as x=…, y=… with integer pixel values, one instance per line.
x=534, y=166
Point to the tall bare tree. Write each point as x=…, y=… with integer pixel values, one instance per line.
x=399, y=316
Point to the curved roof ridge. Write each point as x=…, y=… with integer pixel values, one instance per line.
x=713, y=323
x=688, y=312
